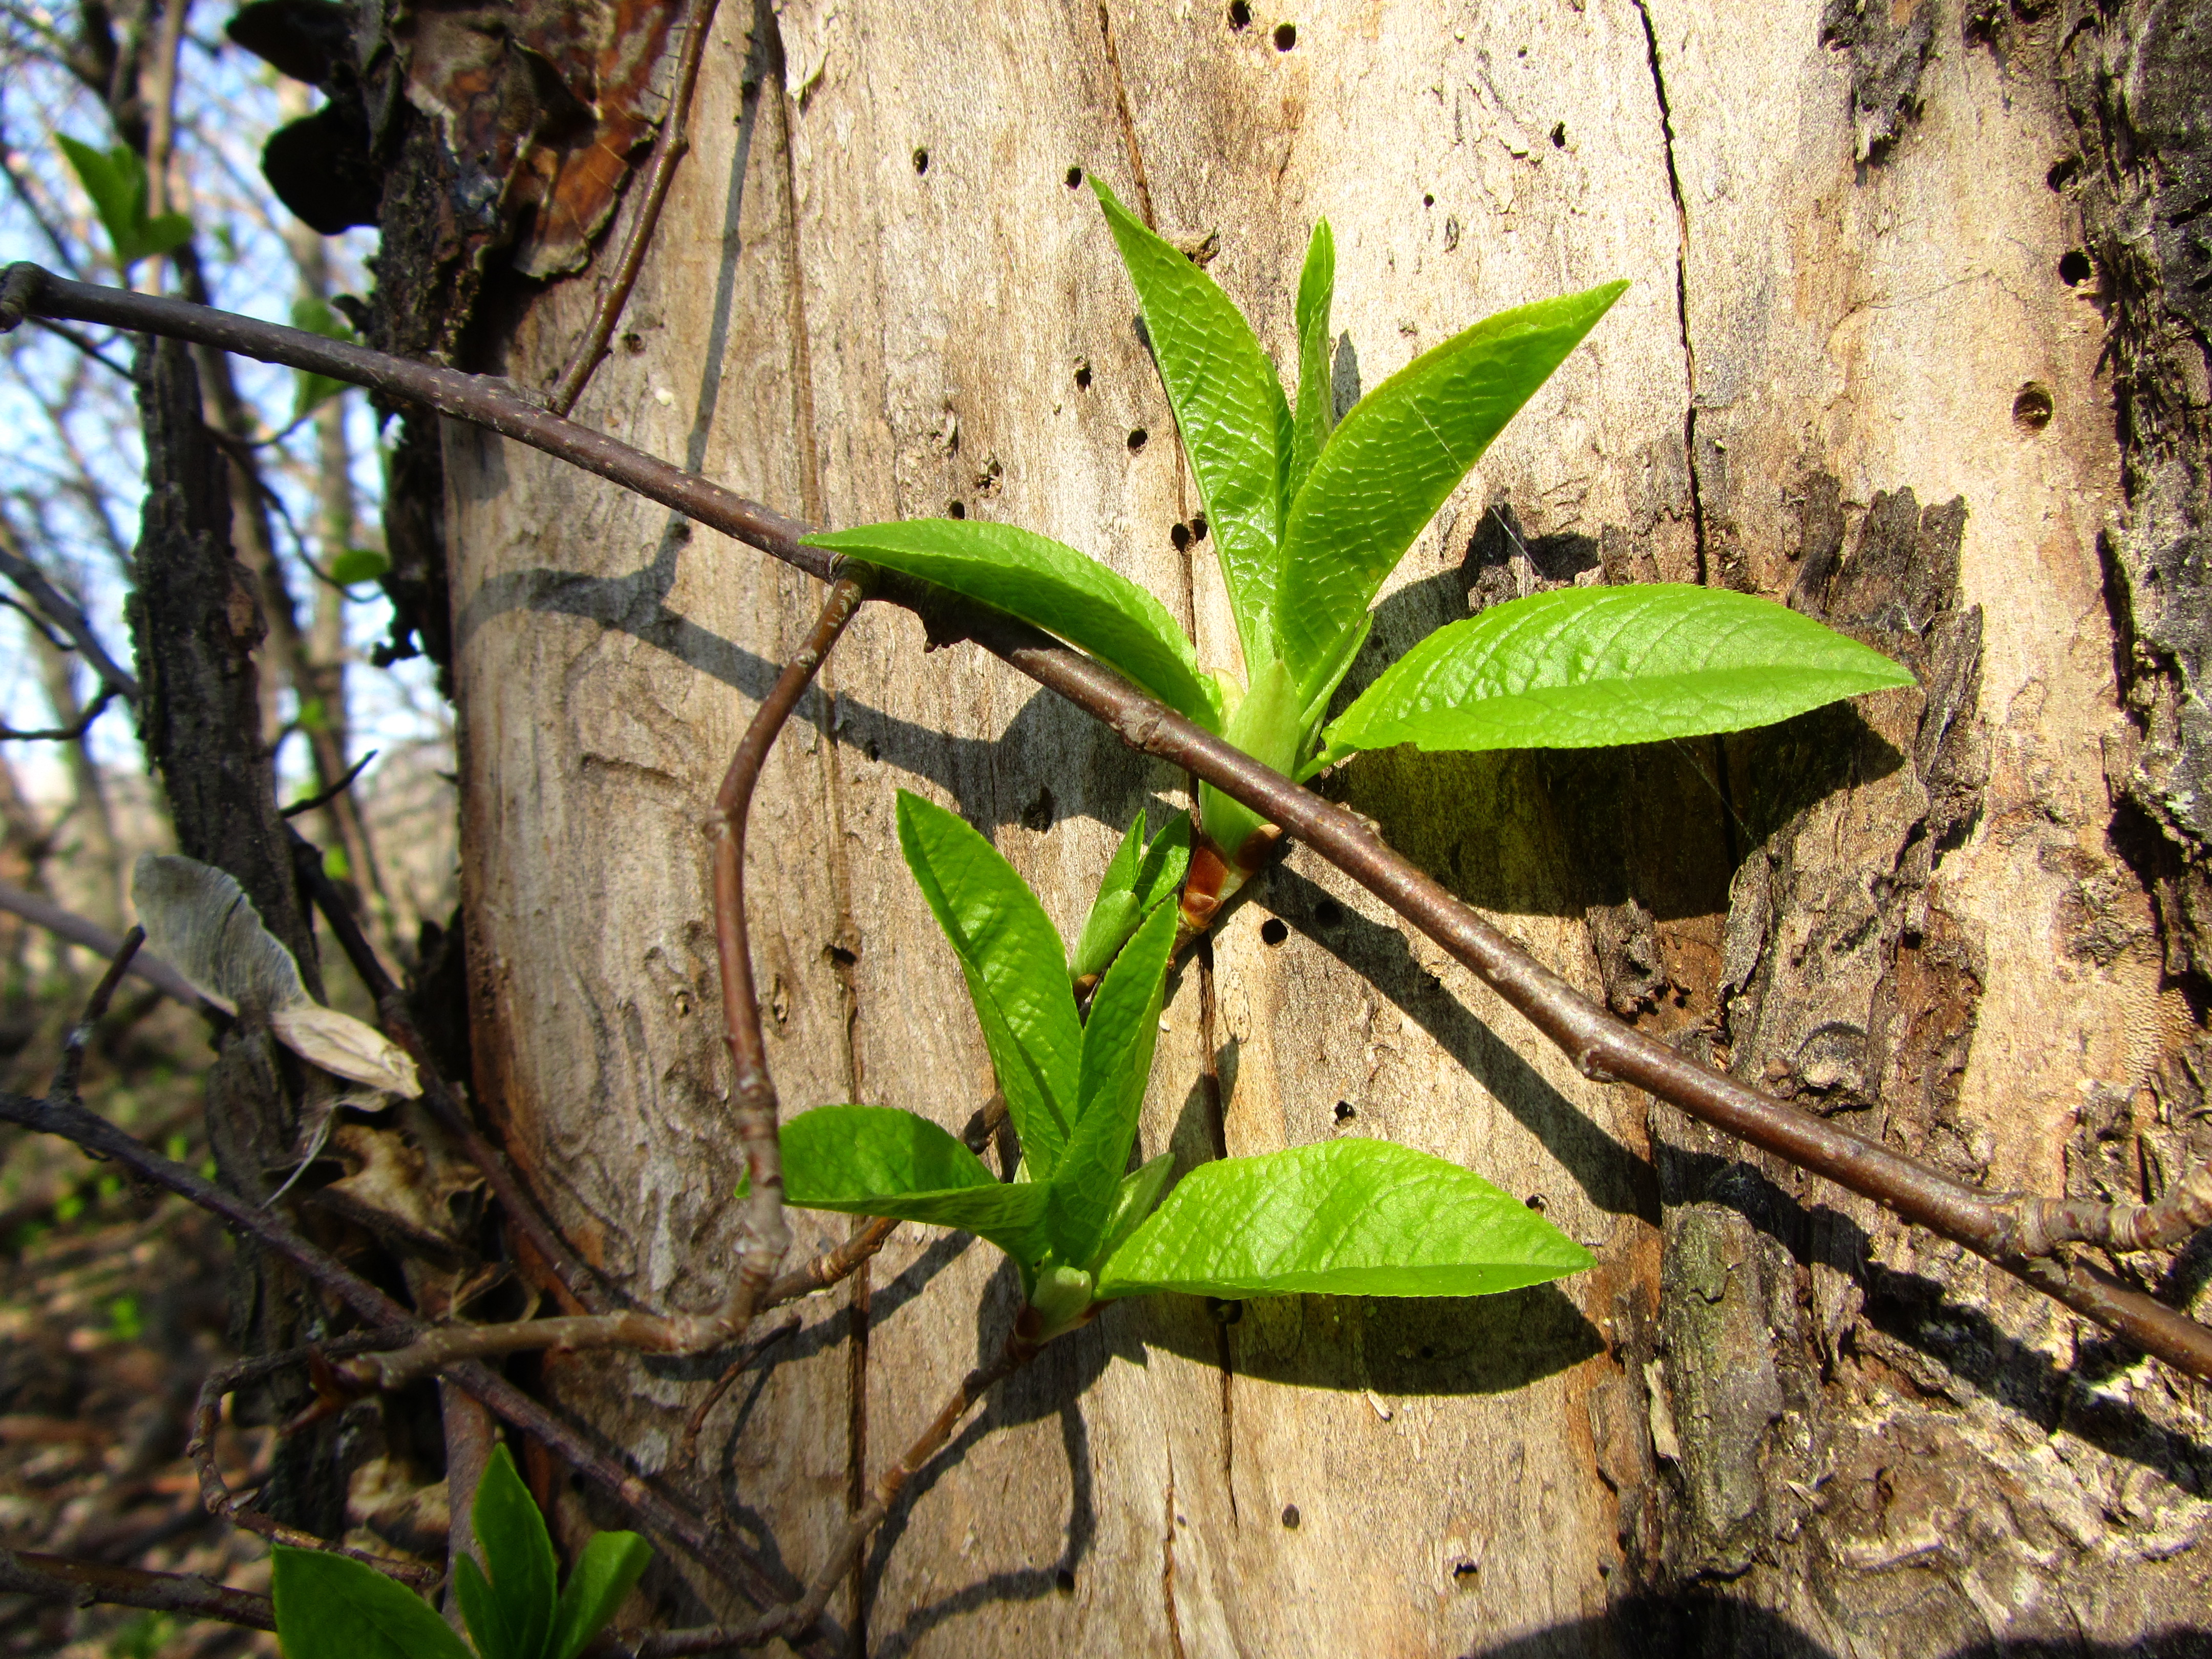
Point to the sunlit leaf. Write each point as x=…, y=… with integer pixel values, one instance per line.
x=1229, y=407
x=1013, y=963
x=1050, y=584
x=1346, y=1218
x=1401, y=450
x=876, y=1160
x=1582, y=666
x=1313, y=416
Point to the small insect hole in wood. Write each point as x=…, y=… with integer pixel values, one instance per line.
x=1179, y=537
x=1559, y=135
x=957, y=510
x=2031, y=409
x=1287, y=36
x=1428, y=199
x=1138, y=439
x=1291, y=1517
x=922, y=160
x=1274, y=930
x=1345, y=1111
x=1328, y=913
x=1198, y=526
x=1083, y=375
x=2073, y=268
x=1074, y=177
x=1064, y=1582
x=1240, y=15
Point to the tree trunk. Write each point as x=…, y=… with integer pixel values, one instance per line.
x=1859, y=367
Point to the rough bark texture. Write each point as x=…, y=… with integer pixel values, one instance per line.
x=1853, y=371
x=195, y=623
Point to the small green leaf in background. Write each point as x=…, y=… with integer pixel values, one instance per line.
x=1133, y=1201
x=1401, y=450
x=1579, y=667
x=1142, y=874
x=1229, y=407
x=331, y=1606
x=610, y=1565
x=1011, y=959
x=1118, y=1040
x=517, y=1555
x=115, y=180
x=1310, y=424
x=312, y=390
x=877, y=1160
x=356, y=565
x=1089, y=604
x=1344, y=1218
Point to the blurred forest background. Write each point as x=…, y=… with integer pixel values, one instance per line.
x=112, y=1303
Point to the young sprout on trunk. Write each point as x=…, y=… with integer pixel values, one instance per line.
x=1352, y=1216
x=1308, y=518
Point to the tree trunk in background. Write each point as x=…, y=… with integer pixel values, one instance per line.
x=1863, y=364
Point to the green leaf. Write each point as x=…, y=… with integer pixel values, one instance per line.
x=1401, y=450
x=357, y=565
x=518, y=1557
x=1141, y=875
x=480, y=1610
x=116, y=183
x=1133, y=1201
x=1579, y=667
x=1012, y=961
x=1309, y=426
x=1228, y=406
x=1345, y=1218
x=331, y=1606
x=877, y=1160
x=1118, y=1040
x=1267, y=723
x=610, y=1565
x=1049, y=583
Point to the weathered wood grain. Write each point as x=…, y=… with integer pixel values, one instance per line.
x=877, y=295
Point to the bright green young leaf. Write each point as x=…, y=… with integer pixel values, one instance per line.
x=1345, y=1218
x=1267, y=724
x=1133, y=1201
x=481, y=1611
x=1118, y=1040
x=610, y=1564
x=313, y=390
x=1012, y=961
x=331, y=1606
x=877, y=1160
x=518, y=1557
x=1229, y=407
x=1578, y=667
x=116, y=182
x=1401, y=450
x=1143, y=874
x=1310, y=424
x=1049, y=583
x=356, y=565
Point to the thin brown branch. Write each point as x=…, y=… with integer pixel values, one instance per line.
x=64, y=615
x=764, y=1235
x=71, y=1069
x=324, y=797
x=668, y=149
x=214, y=1492
x=1600, y=1046
x=797, y=1619
x=78, y=930
x=69, y=733
x=80, y=1584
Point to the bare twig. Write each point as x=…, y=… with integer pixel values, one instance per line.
x=668, y=151
x=77, y=930
x=765, y=1236
x=64, y=615
x=326, y=796
x=80, y=1584
x=1600, y=1046
x=80, y=1034
x=63, y=733
x=214, y=1492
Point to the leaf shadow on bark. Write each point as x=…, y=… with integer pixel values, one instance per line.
x=1613, y=1178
